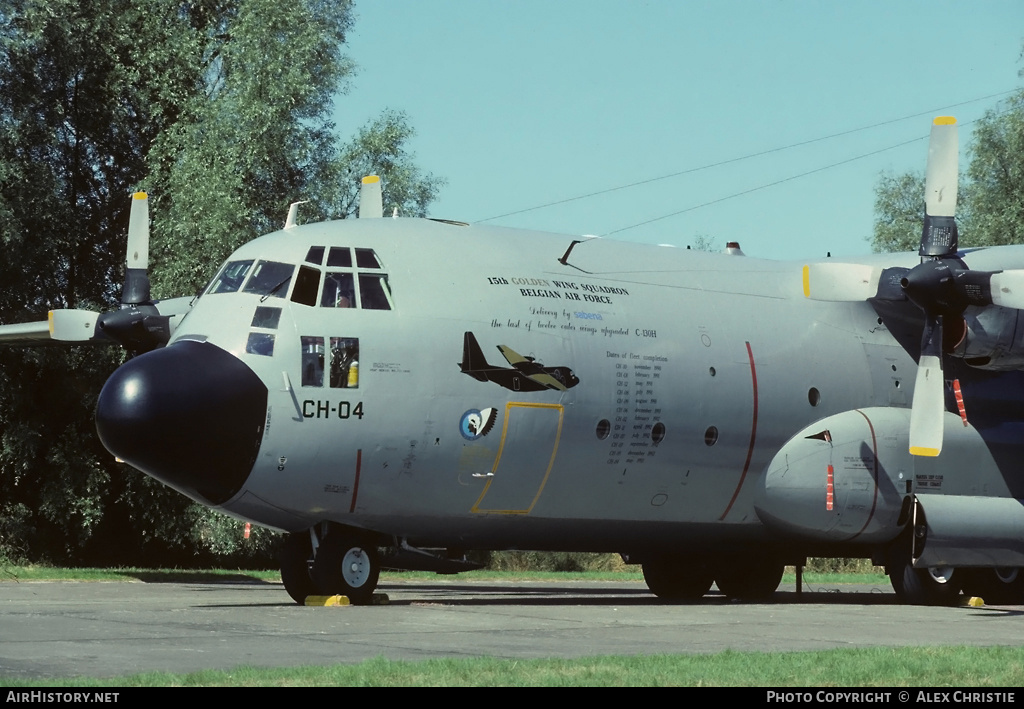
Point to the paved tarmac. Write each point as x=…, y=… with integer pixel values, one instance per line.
x=62, y=629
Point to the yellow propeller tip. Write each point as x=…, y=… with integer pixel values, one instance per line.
x=140, y=195
x=944, y=121
x=926, y=452
x=370, y=179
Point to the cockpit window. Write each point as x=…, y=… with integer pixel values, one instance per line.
x=373, y=288
x=231, y=277
x=315, y=255
x=365, y=258
x=270, y=278
x=339, y=291
x=340, y=256
x=362, y=286
x=307, y=285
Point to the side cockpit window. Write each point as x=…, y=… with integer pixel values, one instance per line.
x=231, y=277
x=307, y=285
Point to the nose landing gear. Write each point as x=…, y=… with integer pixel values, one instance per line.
x=344, y=563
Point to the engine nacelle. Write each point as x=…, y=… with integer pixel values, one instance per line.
x=994, y=339
x=841, y=479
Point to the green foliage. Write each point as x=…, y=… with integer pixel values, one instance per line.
x=843, y=566
x=220, y=109
x=522, y=561
x=990, y=201
x=899, y=212
x=996, y=176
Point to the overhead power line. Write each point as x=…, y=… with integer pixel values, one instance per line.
x=748, y=157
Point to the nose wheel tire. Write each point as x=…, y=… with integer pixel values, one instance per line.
x=345, y=565
x=295, y=557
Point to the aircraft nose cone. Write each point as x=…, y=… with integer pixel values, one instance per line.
x=190, y=415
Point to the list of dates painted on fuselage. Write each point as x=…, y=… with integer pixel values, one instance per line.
x=637, y=410
x=326, y=409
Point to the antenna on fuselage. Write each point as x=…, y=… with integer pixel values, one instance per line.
x=293, y=212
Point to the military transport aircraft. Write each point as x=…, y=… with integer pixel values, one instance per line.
x=712, y=416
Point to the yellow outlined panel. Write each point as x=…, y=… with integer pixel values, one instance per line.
x=529, y=444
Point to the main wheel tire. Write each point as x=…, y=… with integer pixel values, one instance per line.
x=936, y=586
x=295, y=557
x=673, y=579
x=756, y=580
x=346, y=566
x=1002, y=586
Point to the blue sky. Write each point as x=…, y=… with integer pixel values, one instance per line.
x=518, y=104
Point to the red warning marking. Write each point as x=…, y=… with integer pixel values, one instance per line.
x=959, y=400
x=829, y=487
x=355, y=485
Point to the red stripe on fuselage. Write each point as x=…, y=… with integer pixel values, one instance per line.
x=753, y=434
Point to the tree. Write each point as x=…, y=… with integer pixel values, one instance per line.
x=996, y=176
x=899, y=212
x=990, y=203
x=221, y=110
x=258, y=137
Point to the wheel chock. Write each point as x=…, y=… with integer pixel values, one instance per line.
x=973, y=602
x=378, y=599
x=327, y=601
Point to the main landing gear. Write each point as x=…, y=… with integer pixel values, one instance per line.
x=936, y=586
x=674, y=578
x=345, y=562
x=1003, y=586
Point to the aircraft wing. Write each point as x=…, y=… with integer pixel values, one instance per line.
x=513, y=357
x=547, y=380
x=530, y=369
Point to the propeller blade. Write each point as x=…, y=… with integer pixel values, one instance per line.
x=1008, y=289
x=939, y=237
x=929, y=399
x=136, y=280
x=62, y=325
x=841, y=282
x=138, y=232
x=72, y=325
x=371, y=202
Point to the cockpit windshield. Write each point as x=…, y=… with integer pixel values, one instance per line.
x=270, y=278
x=231, y=277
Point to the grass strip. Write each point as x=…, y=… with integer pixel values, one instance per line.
x=863, y=667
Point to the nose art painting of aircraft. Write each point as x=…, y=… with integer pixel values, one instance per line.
x=526, y=373
x=711, y=416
